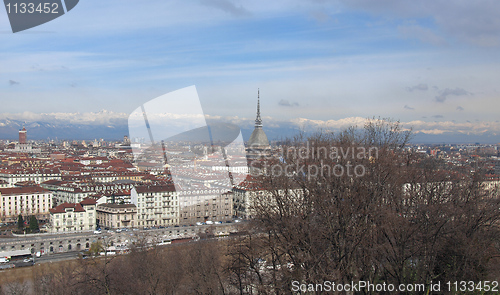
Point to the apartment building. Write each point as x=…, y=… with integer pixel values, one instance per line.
x=73, y=217
x=157, y=205
x=27, y=201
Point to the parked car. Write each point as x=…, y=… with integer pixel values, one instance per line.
x=97, y=232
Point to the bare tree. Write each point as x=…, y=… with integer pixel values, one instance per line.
x=399, y=218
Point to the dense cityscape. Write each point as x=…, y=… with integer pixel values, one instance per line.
x=69, y=200
x=135, y=159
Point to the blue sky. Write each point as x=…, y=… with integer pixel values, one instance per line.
x=434, y=65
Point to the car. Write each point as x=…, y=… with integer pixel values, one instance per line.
x=97, y=232
x=237, y=220
x=218, y=222
x=28, y=260
x=210, y=222
x=118, y=230
x=199, y=223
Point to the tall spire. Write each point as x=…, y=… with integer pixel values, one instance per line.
x=258, y=120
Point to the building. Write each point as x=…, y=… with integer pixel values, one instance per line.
x=37, y=175
x=258, y=144
x=205, y=203
x=250, y=195
x=22, y=136
x=22, y=146
x=116, y=215
x=73, y=217
x=157, y=205
x=75, y=192
x=26, y=201
x=244, y=195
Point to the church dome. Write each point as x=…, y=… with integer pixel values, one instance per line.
x=258, y=139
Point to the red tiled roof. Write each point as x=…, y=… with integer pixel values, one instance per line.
x=22, y=190
x=62, y=208
x=155, y=188
x=88, y=201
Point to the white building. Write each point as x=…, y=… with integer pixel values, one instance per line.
x=201, y=203
x=250, y=195
x=72, y=217
x=25, y=201
x=13, y=176
x=117, y=215
x=157, y=205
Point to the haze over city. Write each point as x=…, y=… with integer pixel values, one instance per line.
x=319, y=64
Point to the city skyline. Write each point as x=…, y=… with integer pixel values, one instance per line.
x=318, y=64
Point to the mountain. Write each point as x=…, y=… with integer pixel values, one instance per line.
x=42, y=130
x=116, y=127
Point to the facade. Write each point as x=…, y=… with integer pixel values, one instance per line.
x=250, y=195
x=205, y=204
x=117, y=215
x=157, y=205
x=26, y=201
x=73, y=217
x=37, y=175
x=73, y=192
x=22, y=136
x=243, y=198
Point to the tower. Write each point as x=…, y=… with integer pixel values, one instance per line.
x=258, y=144
x=22, y=136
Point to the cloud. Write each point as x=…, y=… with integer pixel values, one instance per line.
x=320, y=16
x=90, y=118
x=286, y=103
x=465, y=21
x=12, y=83
x=417, y=126
x=409, y=108
x=443, y=95
x=425, y=35
x=422, y=87
x=226, y=6
x=309, y=125
x=459, y=108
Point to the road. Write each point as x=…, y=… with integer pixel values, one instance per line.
x=57, y=257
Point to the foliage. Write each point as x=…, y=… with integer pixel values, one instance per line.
x=405, y=220
x=20, y=222
x=33, y=224
x=398, y=222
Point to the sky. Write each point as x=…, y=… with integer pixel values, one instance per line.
x=433, y=65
